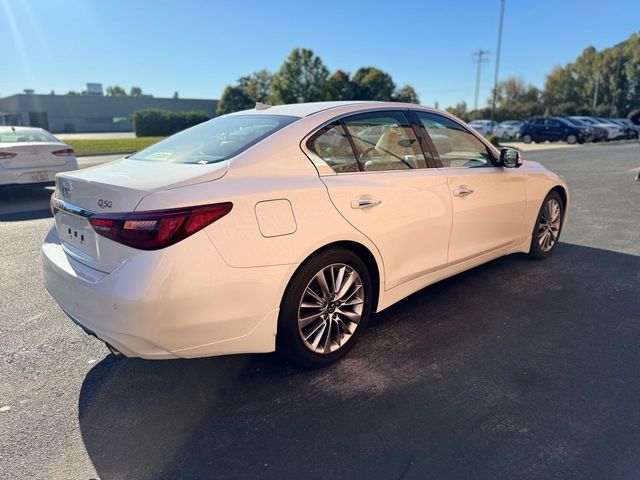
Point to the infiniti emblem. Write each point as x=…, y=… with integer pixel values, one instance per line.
x=65, y=189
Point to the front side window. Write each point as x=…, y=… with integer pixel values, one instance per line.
x=216, y=140
x=385, y=141
x=455, y=146
x=332, y=145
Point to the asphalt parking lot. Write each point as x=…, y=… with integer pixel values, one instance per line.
x=516, y=369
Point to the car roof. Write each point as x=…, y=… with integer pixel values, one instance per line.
x=311, y=108
x=5, y=129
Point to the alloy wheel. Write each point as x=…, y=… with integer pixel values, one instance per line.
x=549, y=225
x=330, y=308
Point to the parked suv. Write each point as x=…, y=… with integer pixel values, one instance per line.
x=553, y=129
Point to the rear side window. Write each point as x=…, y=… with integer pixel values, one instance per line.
x=455, y=146
x=385, y=141
x=332, y=145
x=216, y=140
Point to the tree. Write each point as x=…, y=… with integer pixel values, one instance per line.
x=135, y=91
x=406, y=95
x=234, y=99
x=175, y=95
x=340, y=87
x=373, y=84
x=258, y=85
x=116, y=91
x=459, y=110
x=514, y=100
x=301, y=78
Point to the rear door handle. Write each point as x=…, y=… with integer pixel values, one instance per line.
x=365, y=202
x=463, y=191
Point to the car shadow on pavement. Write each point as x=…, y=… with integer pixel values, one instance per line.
x=25, y=202
x=516, y=369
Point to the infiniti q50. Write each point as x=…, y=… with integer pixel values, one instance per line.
x=286, y=227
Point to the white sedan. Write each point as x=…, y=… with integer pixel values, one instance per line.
x=483, y=127
x=286, y=227
x=32, y=155
x=508, y=129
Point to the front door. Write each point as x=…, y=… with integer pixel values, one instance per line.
x=488, y=201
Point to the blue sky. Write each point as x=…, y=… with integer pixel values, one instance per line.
x=197, y=48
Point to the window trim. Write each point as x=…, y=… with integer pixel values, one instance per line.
x=325, y=170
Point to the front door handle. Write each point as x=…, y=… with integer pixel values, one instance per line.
x=365, y=202
x=463, y=191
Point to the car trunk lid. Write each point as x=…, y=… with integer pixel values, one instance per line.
x=33, y=154
x=117, y=187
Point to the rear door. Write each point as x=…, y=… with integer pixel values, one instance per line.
x=488, y=201
x=381, y=183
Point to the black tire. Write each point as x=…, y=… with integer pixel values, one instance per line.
x=536, y=251
x=571, y=139
x=527, y=138
x=289, y=341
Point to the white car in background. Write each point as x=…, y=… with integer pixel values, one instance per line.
x=286, y=227
x=483, y=127
x=32, y=155
x=508, y=128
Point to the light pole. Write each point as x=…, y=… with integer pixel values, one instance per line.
x=479, y=57
x=495, y=79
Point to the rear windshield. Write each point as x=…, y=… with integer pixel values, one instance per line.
x=27, y=136
x=215, y=140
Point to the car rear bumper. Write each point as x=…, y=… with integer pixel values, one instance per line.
x=163, y=304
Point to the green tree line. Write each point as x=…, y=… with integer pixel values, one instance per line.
x=603, y=84
x=303, y=77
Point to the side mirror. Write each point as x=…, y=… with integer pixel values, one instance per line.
x=510, y=158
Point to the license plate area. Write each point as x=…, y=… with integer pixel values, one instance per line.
x=41, y=176
x=76, y=233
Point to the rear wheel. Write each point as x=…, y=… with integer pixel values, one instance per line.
x=546, y=231
x=325, y=308
x=527, y=138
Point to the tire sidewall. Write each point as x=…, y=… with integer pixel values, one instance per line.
x=572, y=136
x=288, y=340
x=535, y=251
x=527, y=138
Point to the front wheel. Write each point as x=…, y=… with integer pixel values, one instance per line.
x=572, y=139
x=546, y=231
x=325, y=308
x=527, y=138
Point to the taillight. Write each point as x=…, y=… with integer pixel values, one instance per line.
x=158, y=229
x=64, y=152
x=7, y=155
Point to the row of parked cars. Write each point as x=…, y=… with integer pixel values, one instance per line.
x=574, y=129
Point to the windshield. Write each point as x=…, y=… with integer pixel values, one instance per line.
x=574, y=121
x=23, y=136
x=216, y=140
x=589, y=121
